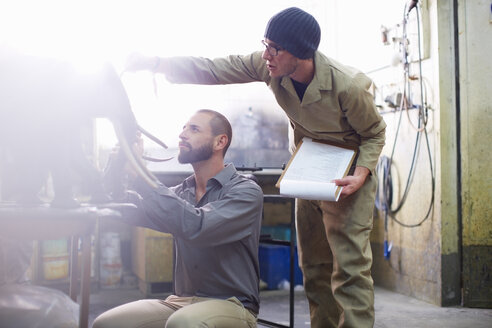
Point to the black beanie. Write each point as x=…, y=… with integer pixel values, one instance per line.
x=296, y=31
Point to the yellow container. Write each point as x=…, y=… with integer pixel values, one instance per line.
x=55, y=266
x=55, y=259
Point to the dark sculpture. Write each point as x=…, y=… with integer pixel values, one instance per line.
x=44, y=105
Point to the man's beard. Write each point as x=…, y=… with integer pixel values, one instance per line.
x=196, y=155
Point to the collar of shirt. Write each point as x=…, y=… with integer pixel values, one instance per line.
x=222, y=177
x=322, y=80
x=323, y=76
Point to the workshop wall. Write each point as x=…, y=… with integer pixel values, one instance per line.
x=406, y=239
x=475, y=27
x=430, y=255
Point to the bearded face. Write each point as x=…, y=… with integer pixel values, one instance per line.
x=193, y=155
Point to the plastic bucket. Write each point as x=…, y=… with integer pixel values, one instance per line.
x=111, y=268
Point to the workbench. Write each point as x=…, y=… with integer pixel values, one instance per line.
x=44, y=223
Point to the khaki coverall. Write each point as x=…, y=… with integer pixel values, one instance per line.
x=333, y=237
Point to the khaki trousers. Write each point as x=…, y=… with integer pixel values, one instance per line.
x=175, y=311
x=335, y=258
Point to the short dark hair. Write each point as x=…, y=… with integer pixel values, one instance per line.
x=220, y=125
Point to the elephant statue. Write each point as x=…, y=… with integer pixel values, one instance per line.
x=46, y=104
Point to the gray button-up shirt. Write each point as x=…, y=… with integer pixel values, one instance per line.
x=216, y=239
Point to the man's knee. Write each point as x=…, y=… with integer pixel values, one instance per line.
x=142, y=313
x=102, y=322
x=180, y=320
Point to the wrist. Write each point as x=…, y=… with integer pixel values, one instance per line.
x=361, y=171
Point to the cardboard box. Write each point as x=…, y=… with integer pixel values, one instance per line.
x=152, y=255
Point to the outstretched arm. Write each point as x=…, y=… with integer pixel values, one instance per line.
x=199, y=70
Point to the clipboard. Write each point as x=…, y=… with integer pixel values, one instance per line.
x=312, y=167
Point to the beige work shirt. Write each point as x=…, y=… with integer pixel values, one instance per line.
x=337, y=105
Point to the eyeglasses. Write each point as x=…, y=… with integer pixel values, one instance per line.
x=272, y=50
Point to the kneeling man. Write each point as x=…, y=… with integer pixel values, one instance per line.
x=215, y=219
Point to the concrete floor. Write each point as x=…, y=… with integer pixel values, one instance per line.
x=392, y=309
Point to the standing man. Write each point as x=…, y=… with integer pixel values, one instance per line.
x=215, y=218
x=323, y=100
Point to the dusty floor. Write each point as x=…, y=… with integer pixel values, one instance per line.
x=392, y=309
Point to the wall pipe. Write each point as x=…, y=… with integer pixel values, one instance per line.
x=457, y=88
